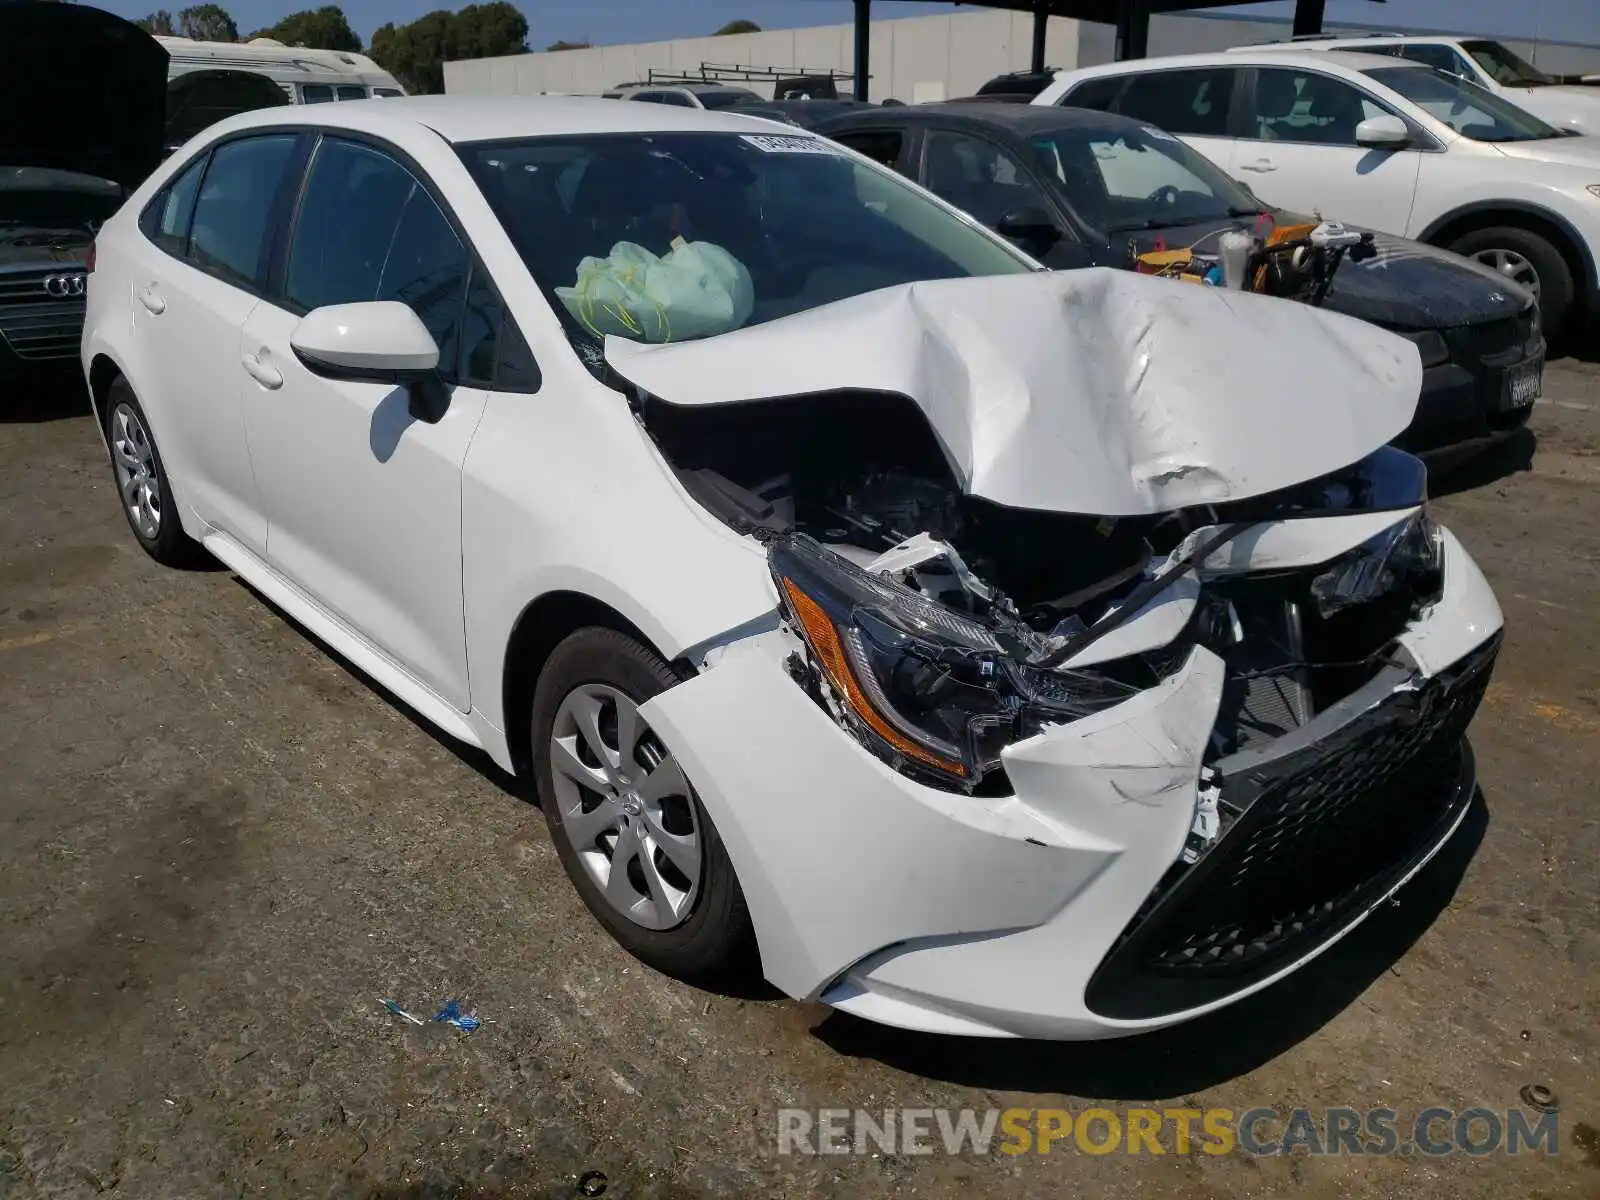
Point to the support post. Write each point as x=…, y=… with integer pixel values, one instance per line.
x=1041, y=24
x=1308, y=16
x=1133, y=29
x=863, y=66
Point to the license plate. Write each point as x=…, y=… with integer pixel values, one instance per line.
x=1524, y=383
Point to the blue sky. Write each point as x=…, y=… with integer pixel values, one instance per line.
x=613, y=21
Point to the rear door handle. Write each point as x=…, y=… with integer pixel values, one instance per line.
x=152, y=300
x=1260, y=164
x=267, y=377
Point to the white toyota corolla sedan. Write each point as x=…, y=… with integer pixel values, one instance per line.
x=982, y=649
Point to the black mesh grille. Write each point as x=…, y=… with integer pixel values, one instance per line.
x=35, y=325
x=1322, y=831
x=1493, y=338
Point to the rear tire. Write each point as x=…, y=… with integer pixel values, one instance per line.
x=633, y=837
x=143, y=489
x=1516, y=253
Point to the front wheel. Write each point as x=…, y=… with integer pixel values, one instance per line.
x=1526, y=258
x=142, y=483
x=632, y=835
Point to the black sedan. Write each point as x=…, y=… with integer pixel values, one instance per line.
x=1078, y=188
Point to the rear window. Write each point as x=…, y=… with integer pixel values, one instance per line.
x=1097, y=93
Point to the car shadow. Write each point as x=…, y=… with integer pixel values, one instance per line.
x=1463, y=470
x=45, y=397
x=1199, y=1054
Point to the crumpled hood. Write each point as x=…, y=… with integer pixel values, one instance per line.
x=82, y=90
x=1092, y=391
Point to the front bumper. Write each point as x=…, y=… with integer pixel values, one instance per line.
x=1468, y=398
x=1063, y=910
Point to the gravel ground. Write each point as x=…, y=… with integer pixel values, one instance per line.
x=221, y=847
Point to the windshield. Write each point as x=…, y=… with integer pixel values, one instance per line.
x=1120, y=179
x=1504, y=67
x=671, y=236
x=726, y=99
x=1470, y=110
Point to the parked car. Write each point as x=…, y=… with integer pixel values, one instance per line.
x=1019, y=83
x=82, y=131
x=807, y=114
x=304, y=75
x=1080, y=188
x=1386, y=144
x=994, y=650
x=686, y=95
x=1564, y=102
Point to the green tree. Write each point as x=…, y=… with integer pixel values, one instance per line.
x=739, y=26
x=207, y=23
x=415, y=54
x=159, y=22
x=322, y=28
x=568, y=46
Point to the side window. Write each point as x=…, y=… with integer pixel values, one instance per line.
x=675, y=98
x=427, y=270
x=315, y=93
x=1440, y=58
x=387, y=91
x=367, y=230
x=492, y=352
x=229, y=231
x=977, y=175
x=166, y=221
x=1096, y=93
x=351, y=91
x=880, y=145
x=347, y=219
x=1191, y=102
x=1307, y=107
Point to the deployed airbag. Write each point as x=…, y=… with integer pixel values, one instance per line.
x=1092, y=391
x=694, y=290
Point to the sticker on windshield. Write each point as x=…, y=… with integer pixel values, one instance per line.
x=778, y=143
x=1162, y=134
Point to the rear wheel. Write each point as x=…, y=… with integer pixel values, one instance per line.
x=632, y=836
x=1529, y=259
x=142, y=484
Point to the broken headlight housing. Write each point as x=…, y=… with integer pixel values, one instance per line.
x=1406, y=558
x=926, y=688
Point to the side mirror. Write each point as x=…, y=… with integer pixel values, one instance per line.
x=376, y=341
x=1030, y=225
x=1384, y=132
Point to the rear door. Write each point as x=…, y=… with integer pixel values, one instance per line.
x=363, y=502
x=1196, y=103
x=199, y=275
x=1298, y=150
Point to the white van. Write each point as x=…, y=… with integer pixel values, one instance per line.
x=306, y=76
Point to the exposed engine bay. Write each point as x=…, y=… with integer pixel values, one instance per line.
x=943, y=627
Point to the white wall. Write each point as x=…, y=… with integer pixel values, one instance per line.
x=913, y=58
x=926, y=58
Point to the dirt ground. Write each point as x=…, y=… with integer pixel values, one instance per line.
x=221, y=847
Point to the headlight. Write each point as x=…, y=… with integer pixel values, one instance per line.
x=928, y=689
x=1409, y=556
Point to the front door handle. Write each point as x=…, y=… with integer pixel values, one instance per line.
x=1261, y=165
x=267, y=377
x=152, y=300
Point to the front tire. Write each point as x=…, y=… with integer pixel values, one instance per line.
x=1527, y=258
x=142, y=484
x=632, y=836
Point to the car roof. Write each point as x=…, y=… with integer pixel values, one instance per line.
x=1022, y=119
x=1239, y=56
x=1349, y=39
x=483, y=118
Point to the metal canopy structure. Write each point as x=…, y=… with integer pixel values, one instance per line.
x=1131, y=17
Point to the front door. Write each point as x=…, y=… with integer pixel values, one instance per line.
x=363, y=501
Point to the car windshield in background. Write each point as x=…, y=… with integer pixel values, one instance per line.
x=1118, y=179
x=727, y=99
x=1504, y=67
x=671, y=236
x=1470, y=110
